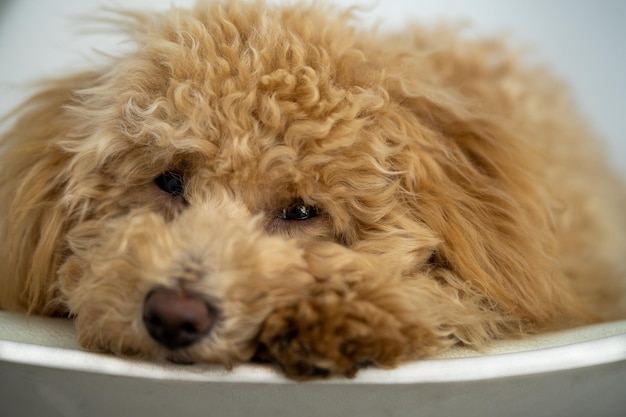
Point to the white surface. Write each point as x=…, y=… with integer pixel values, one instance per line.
x=577, y=372
x=582, y=41
x=49, y=342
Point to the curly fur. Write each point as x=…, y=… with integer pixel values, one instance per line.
x=460, y=197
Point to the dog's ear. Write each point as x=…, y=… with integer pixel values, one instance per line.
x=476, y=182
x=33, y=214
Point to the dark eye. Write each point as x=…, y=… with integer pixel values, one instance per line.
x=298, y=211
x=171, y=182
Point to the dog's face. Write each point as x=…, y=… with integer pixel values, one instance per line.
x=205, y=169
x=256, y=176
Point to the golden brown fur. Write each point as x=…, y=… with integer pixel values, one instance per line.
x=460, y=198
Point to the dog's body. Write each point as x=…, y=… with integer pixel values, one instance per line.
x=269, y=179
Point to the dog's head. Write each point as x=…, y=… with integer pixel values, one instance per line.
x=170, y=200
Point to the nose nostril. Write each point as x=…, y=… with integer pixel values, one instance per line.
x=176, y=319
x=189, y=328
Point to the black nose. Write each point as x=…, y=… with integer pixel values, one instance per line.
x=176, y=319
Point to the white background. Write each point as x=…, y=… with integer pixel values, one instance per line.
x=583, y=42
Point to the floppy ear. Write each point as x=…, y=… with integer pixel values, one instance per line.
x=33, y=214
x=477, y=183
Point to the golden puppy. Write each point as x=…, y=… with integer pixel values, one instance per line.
x=275, y=180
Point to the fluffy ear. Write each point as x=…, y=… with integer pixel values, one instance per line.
x=33, y=215
x=474, y=179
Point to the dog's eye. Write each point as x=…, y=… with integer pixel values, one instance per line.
x=298, y=211
x=171, y=182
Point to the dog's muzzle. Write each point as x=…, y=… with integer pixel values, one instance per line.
x=176, y=318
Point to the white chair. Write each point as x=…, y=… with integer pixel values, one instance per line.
x=579, y=372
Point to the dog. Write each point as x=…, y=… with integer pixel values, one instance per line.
x=277, y=182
